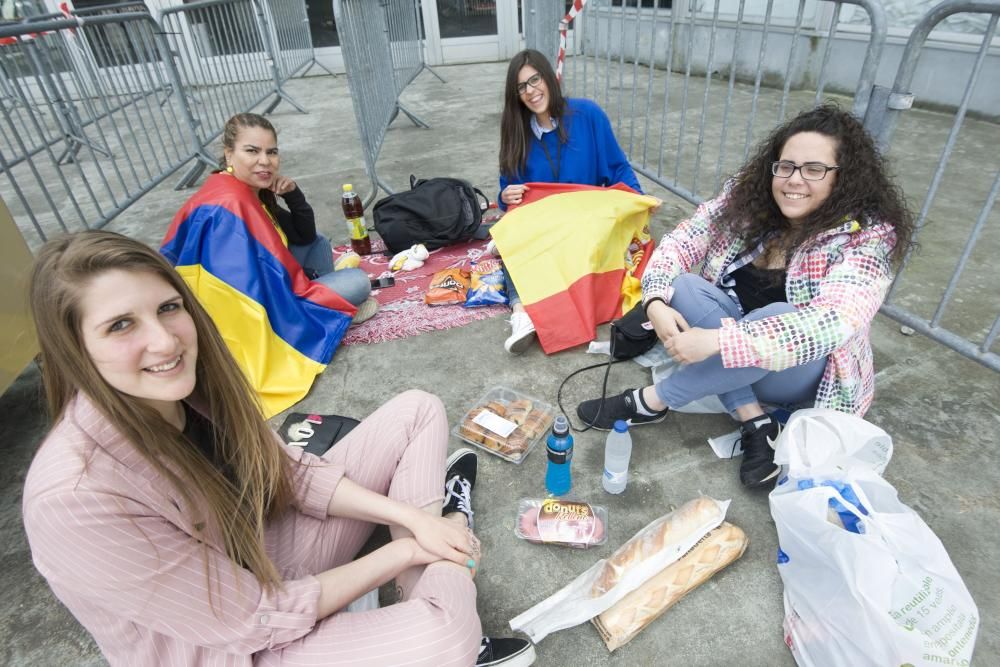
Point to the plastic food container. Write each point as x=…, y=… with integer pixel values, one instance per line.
x=568, y=523
x=505, y=422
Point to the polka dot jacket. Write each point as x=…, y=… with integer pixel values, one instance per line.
x=836, y=282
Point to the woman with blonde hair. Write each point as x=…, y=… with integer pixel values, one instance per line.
x=178, y=529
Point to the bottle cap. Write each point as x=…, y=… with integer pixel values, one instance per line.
x=621, y=426
x=561, y=425
x=348, y=187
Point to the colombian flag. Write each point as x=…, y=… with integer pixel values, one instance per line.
x=576, y=254
x=281, y=327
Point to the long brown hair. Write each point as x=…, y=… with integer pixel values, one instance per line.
x=259, y=486
x=515, y=121
x=863, y=191
x=231, y=130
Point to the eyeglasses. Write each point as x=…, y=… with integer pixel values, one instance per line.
x=533, y=81
x=811, y=171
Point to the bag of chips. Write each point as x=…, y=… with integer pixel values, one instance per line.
x=447, y=287
x=488, y=285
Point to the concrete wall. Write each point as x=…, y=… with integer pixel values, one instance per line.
x=940, y=80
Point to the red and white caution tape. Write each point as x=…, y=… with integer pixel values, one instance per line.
x=563, y=29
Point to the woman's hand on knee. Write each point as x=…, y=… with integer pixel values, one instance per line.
x=446, y=539
x=666, y=321
x=693, y=345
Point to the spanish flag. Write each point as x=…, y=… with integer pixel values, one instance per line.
x=576, y=254
x=281, y=327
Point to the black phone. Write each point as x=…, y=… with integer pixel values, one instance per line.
x=384, y=281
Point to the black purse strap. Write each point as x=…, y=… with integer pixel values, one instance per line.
x=604, y=391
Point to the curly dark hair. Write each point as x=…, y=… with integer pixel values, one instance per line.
x=515, y=121
x=863, y=190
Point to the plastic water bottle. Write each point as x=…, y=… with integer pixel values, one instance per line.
x=558, y=479
x=617, y=452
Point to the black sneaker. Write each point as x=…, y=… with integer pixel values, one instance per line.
x=615, y=408
x=758, y=437
x=506, y=651
x=458, y=482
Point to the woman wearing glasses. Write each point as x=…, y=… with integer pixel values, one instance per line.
x=795, y=257
x=548, y=138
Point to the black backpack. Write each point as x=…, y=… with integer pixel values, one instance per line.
x=436, y=212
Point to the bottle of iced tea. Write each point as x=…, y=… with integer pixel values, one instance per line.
x=354, y=213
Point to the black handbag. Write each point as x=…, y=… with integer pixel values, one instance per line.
x=632, y=334
x=315, y=433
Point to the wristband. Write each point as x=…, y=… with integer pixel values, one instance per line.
x=645, y=306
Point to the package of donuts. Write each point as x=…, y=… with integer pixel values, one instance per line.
x=567, y=523
x=505, y=422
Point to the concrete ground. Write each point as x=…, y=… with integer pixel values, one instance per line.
x=940, y=408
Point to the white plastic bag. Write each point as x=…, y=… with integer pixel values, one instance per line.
x=866, y=580
x=821, y=441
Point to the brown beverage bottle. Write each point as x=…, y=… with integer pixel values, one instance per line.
x=354, y=213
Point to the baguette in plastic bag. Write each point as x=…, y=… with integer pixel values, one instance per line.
x=623, y=621
x=607, y=581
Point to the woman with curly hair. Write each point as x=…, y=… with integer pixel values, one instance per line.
x=796, y=255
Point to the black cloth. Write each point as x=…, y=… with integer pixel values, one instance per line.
x=299, y=222
x=756, y=287
x=201, y=433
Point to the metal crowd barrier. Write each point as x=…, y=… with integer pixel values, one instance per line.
x=382, y=50
x=687, y=131
x=86, y=122
x=972, y=274
x=228, y=61
x=290, y=23
x=100, y=105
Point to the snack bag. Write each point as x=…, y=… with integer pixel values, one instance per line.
x=488, y=288
x=563, y=522
x=447, y=287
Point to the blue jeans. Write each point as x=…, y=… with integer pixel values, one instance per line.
x=317, y=260
x=704, y=305
x=511, y=290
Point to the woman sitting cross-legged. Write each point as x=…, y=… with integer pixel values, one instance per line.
x=179, y=530
x=795, y=256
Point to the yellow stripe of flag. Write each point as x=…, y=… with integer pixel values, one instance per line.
x=279, y=373
x=550, y=244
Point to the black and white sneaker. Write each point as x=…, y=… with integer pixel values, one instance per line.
x=506, y=651
x=758, y=437
x=622, y=407
x=458, y=482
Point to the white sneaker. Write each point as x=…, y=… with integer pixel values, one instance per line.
x=522, y=334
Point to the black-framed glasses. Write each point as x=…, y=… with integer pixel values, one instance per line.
x=532, y=81
x=811, y=171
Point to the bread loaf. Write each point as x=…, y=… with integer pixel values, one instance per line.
x=626, y=618
x=670, y=531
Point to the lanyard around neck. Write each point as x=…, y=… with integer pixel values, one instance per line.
x=548, y=157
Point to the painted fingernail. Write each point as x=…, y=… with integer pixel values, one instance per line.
x=471, y=564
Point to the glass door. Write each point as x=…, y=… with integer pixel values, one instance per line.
x=463, y=31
